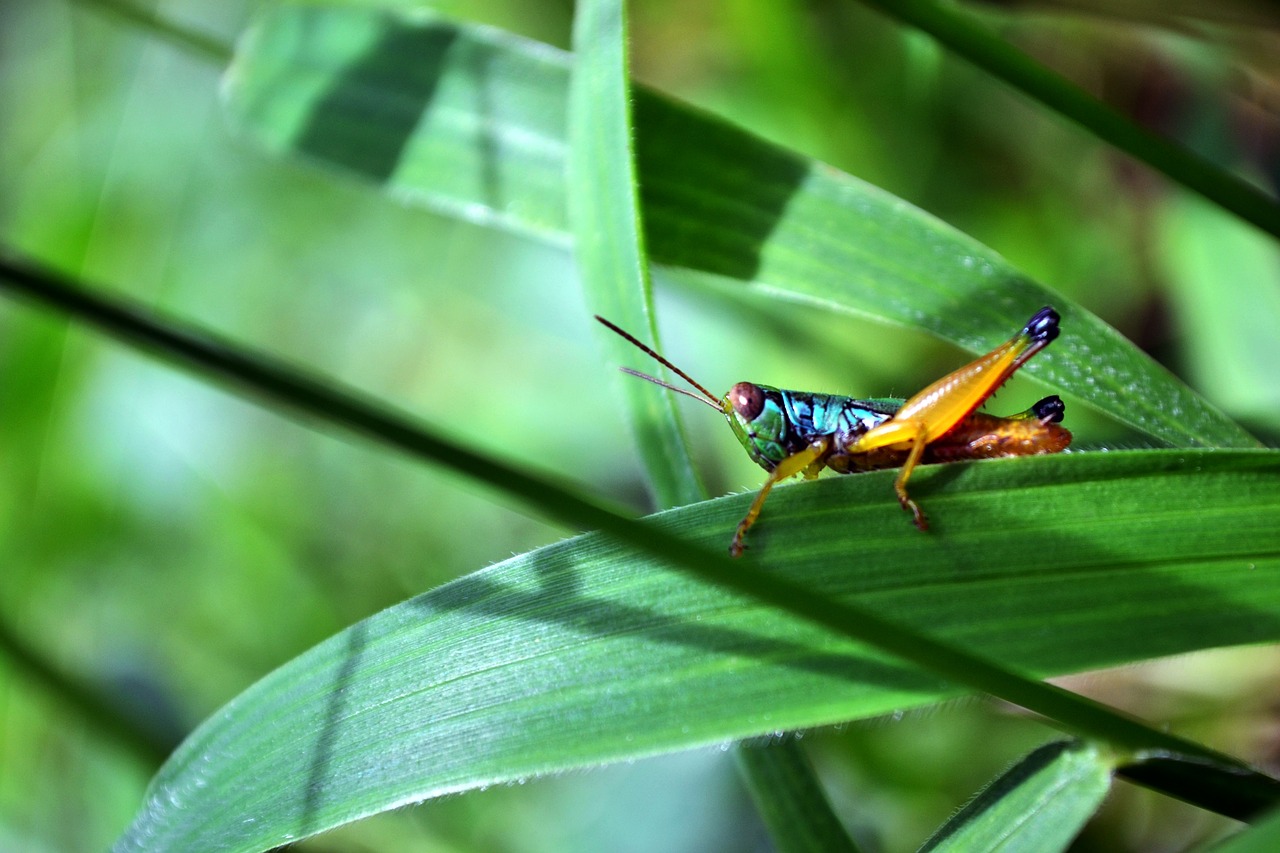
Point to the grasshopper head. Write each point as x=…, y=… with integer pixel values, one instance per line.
x=759, y=422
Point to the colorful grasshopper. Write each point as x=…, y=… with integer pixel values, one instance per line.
x=798, y=432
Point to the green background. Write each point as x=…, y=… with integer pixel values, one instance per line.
x=170, y=543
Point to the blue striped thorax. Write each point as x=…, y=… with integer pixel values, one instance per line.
x=773, y=424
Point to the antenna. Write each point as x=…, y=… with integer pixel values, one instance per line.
x=707, y=397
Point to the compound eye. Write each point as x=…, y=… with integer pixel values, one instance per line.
x=747, y=400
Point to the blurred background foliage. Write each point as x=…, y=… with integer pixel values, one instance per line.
x=167, y=543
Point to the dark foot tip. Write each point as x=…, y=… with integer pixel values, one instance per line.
x=1043, y=327
x=1050, y=410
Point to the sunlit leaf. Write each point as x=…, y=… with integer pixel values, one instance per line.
x=582, y=653
x=471, y=121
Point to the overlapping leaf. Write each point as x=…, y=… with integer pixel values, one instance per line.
x=472, y=121
x=582, y=653
x=1039, y=806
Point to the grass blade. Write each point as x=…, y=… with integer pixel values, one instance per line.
x=1262, y=837
x=969, y=40
x=609, y=238
x=1039, y=806
x=472, y=122
x=508, y=661
x=1225, y=535
x=791, y=802
x=609, y=244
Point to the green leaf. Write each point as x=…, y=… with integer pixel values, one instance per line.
x=609, y=241
x=472, y=122
x=1038, y=806
x=1231, y=787
x=790, y=799
x=584, y=653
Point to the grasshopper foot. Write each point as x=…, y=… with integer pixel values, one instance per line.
x=1049, y=410
x=917, y=515
x=1043, y=327
x=736, y=547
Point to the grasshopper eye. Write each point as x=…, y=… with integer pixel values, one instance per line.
x=747, y=400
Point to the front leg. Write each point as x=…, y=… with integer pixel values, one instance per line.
x=808, y=460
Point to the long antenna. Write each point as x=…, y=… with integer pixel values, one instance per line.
x=707, y=397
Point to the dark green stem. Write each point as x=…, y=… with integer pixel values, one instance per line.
x=969, y=40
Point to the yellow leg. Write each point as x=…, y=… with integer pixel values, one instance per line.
x=932, y=413
x=807, y=460
x=945, y=403
x=913, y=436
x=900, y=484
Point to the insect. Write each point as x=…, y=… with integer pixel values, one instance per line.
x=800, y=432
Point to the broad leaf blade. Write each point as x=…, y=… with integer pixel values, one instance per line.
x=582, y=653
x=1038, y=806
x=472, y=122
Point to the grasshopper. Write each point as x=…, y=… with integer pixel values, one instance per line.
x=800, y=432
